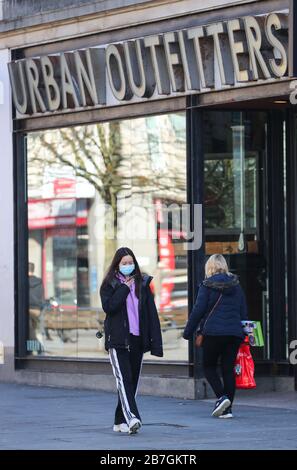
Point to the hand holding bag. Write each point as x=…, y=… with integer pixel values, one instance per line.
x=199, y=336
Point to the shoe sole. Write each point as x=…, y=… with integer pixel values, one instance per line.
x=226, y=417
x=135, y=428
x=220, y=409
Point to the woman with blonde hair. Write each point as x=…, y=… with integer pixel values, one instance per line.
x=217, y=314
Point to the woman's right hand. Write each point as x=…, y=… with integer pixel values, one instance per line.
x=129, y=281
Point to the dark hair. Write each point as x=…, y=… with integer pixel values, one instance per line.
x=114, y=268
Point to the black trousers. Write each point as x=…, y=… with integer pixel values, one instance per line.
x=224, y=348
x=126, y=367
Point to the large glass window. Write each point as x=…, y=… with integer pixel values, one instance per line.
x=235, y=146
x=92, y=189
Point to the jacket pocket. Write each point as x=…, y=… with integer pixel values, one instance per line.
x=118, y=330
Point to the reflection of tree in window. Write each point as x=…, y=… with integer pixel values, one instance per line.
x=219, y=192
x=116, y=159
x=73, y=175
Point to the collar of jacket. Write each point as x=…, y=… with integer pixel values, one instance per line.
x=221, y=285
x=146, y=279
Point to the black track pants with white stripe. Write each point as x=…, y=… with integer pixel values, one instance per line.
x=126, y=367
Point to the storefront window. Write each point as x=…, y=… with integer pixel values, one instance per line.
x=92, y=189
x=235, y=204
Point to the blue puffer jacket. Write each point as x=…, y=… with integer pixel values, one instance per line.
x=227, y=316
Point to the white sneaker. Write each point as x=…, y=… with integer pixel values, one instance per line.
x=221, y=405
x=123, y=427
x=134, y=426
x=227, y=414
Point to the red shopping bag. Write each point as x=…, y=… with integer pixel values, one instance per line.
x=244, y=367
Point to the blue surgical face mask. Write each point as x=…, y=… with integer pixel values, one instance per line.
x=127, y=269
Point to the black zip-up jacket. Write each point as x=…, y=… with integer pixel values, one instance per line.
x=116, y=325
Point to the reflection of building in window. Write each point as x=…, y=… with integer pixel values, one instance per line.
x=93, y=188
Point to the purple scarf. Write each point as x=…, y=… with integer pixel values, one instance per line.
x=132, y=307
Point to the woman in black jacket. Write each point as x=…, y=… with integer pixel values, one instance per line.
x=132, y=327
x=219, y=309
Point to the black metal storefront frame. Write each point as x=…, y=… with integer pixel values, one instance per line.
x=292, y=227
x=195, y=170
x=276, y=233
x=22, y=360
x=195, y=190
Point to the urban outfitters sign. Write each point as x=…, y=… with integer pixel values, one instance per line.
x=199, y=59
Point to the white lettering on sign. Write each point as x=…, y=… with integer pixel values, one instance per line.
x=197, y=59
